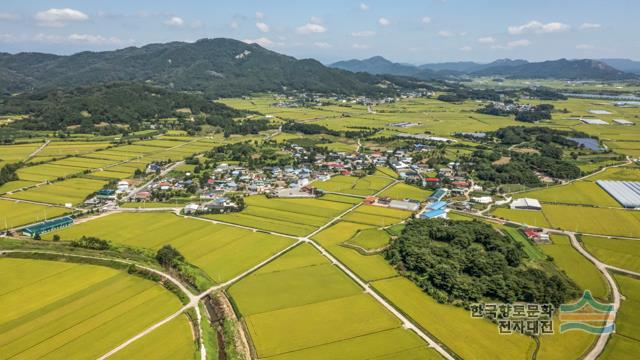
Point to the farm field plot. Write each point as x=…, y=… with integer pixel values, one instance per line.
x=59, y=310
x=403, y=191
x=315, y=207
x=576, y=266
x=323, y=319
x=370, y=267
x=621, y=253
x=20, y=213
x=15, y=153
x=162, y=143
x=370, y=239
x=594, y=220
x=13, y=185
x=267, y=224
x=221, y=251
x=531, y=218
x=623, y=173
x=285, y=216
x=469, y=338
x=61, y=149
x=110, y=155
x=107, y=174
x=46, y=172
x=625, y=343
x=342, y=199
x=72, y=191
x=367, y=185
x=84, y=163
x=376, y=216
x=173, y=340
x=580, y=192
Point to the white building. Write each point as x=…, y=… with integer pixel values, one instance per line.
x=526, y=204
x=123, y=186
x=483, y=199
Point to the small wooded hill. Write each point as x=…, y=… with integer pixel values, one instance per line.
x=115, y=104
x=218, y=67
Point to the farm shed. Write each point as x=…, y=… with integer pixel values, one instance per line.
x=46, y=226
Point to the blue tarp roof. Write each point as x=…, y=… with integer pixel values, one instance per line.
x=432, y=214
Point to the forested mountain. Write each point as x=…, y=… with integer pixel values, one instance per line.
x=625, y=65
x=559, y=69
x=556, y=69
x=108, y=108
x=218, y=67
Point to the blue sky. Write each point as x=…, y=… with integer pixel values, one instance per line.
x=411, y=31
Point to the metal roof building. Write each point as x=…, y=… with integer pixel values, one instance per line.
x=434, y=214
x=47, y=226
x=526, y=204
x=627, y=193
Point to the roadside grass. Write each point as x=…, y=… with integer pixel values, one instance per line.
x=57, y=310
x=576, y=266
x=173, y=340
x=13, y=214
x=621, y=253
x=402, y=191
x=221, y=251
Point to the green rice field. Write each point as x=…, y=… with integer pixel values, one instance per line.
x=367, y=185
x=625, y=343
x=13, y=214
x=63, y=310
x=621, y=253
x=221, y=251
x=402, y=191
x=73, y=191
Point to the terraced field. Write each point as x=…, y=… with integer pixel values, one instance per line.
x=63, y=310
x=221, y=251
x=322, y=319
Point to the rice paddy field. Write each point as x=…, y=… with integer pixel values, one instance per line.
x=583, y=219
x=352, y=185
x=625, y=343
x=621, y=253
x=302, y=307
x=13, y=214
x=73, y=191
x=402, y=191
x=580, y=193
x=376, y=216
x=370, y=239
x=59, y=149
x=15, y=153
x=297, y=217
x=46, y=172
x=63, y=310
x=221, y=251
x=577, y=267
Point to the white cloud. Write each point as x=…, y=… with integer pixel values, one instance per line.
x=5, y=16
x=466, y=48
x=263, y=41
x=174, y=21
x=364, y=7
x=59, y=17
x=259, y=15
x=363, y=33
x=590, y=26
x=384, y=22
x=311, y=28
x=538, y=28
x=262, y=27
x=445, y=33
x=93, y=39
x=84, y=39
x=234, y=24
x=585, y=47
x=360, y=46
x=486, y=40
x=322, y=45
x=425, y=20
x=518, y=43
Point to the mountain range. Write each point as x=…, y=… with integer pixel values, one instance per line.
x=216, y=67
x=582, y=69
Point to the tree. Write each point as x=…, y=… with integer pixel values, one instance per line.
x=56, y=238
x=168, y=255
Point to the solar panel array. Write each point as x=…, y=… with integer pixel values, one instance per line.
x=627, y=193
